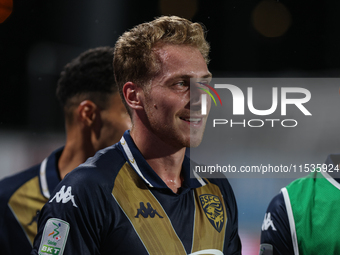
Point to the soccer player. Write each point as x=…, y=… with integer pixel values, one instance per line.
x=304, y=217
x=95, y=118
x=137, y=197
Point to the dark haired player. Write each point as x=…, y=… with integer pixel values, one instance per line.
x=95, y=118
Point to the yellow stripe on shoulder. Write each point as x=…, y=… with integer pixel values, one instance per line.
x=25, y=204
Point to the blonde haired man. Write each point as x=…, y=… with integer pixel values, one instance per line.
x=137, y=197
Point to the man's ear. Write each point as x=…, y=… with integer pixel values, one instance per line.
x=133, y=95
x=87, y=112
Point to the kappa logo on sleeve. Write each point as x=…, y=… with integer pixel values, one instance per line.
x=267, y=222
x=54, y=237
x=63, y=196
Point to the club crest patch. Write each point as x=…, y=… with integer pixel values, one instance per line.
x=54, y=237
x=213, y=209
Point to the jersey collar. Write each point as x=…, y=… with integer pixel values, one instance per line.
x=49, y=173
x=333, y=159
x=332, y=175
x=144, y=170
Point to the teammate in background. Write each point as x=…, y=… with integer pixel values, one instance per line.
x=144, y=201
x=304, y=217
x=95, y=118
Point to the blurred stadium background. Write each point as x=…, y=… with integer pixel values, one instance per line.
x=263, y=38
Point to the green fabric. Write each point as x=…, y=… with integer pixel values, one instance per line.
x=316, y=209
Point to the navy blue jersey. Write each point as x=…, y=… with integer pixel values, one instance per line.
x=278, y=235
x=21, y=198
x=115, y=203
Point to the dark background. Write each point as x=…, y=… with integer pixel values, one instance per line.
x=270, y=38
x=40, y=37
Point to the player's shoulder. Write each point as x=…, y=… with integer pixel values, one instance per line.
x=112, y=156
x=217, y=178
x=102, y=168
x=303, y=186
x=275, y=230
x=222, y=182
x=10, y=184
x=226, y=190
x=276, y=217
x=277, y=205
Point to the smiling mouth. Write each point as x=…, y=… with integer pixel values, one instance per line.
x=192, y=120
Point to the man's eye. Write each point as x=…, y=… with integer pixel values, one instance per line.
x=183, y=85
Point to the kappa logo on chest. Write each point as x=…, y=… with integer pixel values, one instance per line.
x=147, y=211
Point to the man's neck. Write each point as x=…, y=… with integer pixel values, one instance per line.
x=164, y=159
x=75, y=152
